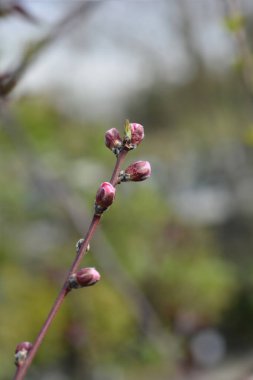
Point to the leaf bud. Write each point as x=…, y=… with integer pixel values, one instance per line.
x=79, y=245
x=113, y=140
x=104, y=197
x=84, y=277
x=21, y=353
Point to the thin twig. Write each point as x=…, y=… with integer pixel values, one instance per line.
x=21, y=371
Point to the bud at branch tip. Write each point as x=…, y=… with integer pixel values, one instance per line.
x=134, y=134
x=113, y=141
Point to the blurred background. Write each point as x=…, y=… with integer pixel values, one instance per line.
x=175, y=252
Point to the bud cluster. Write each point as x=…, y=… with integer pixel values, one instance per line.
x=138, y=171
x=21, y=353
x=133, y=136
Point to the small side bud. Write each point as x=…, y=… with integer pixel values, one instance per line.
x=21, y=353
x=113, y=140
x=104, y=197
x=136, y=172
x=79, y=245
x=134, y=134
x=84, y=277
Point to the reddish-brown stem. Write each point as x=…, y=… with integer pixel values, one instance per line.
x=115, y=174
x=21, y=371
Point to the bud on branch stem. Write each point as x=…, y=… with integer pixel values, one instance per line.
x=21, y=353
x=113, y=141
x=84, y=277
x=104, y=198
x=138, y=171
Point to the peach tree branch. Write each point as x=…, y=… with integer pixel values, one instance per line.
x=134, y=133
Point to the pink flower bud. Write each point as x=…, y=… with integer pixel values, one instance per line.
x=84, y=277
x=138, y=171
x=137, y=133
x=104, y=198
x=113, y=140
x=21, y=352
x=134, y=134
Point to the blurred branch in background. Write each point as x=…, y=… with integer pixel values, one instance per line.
x=9, y=80
x=15, y=7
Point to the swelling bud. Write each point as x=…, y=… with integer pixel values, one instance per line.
x=139, y=171
x=137, y=133
x=104, y=197
x=134, y=134
x=21, y=353
x=113, y=140
x=84, y=277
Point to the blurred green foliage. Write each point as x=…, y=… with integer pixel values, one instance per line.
x=235, y=23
